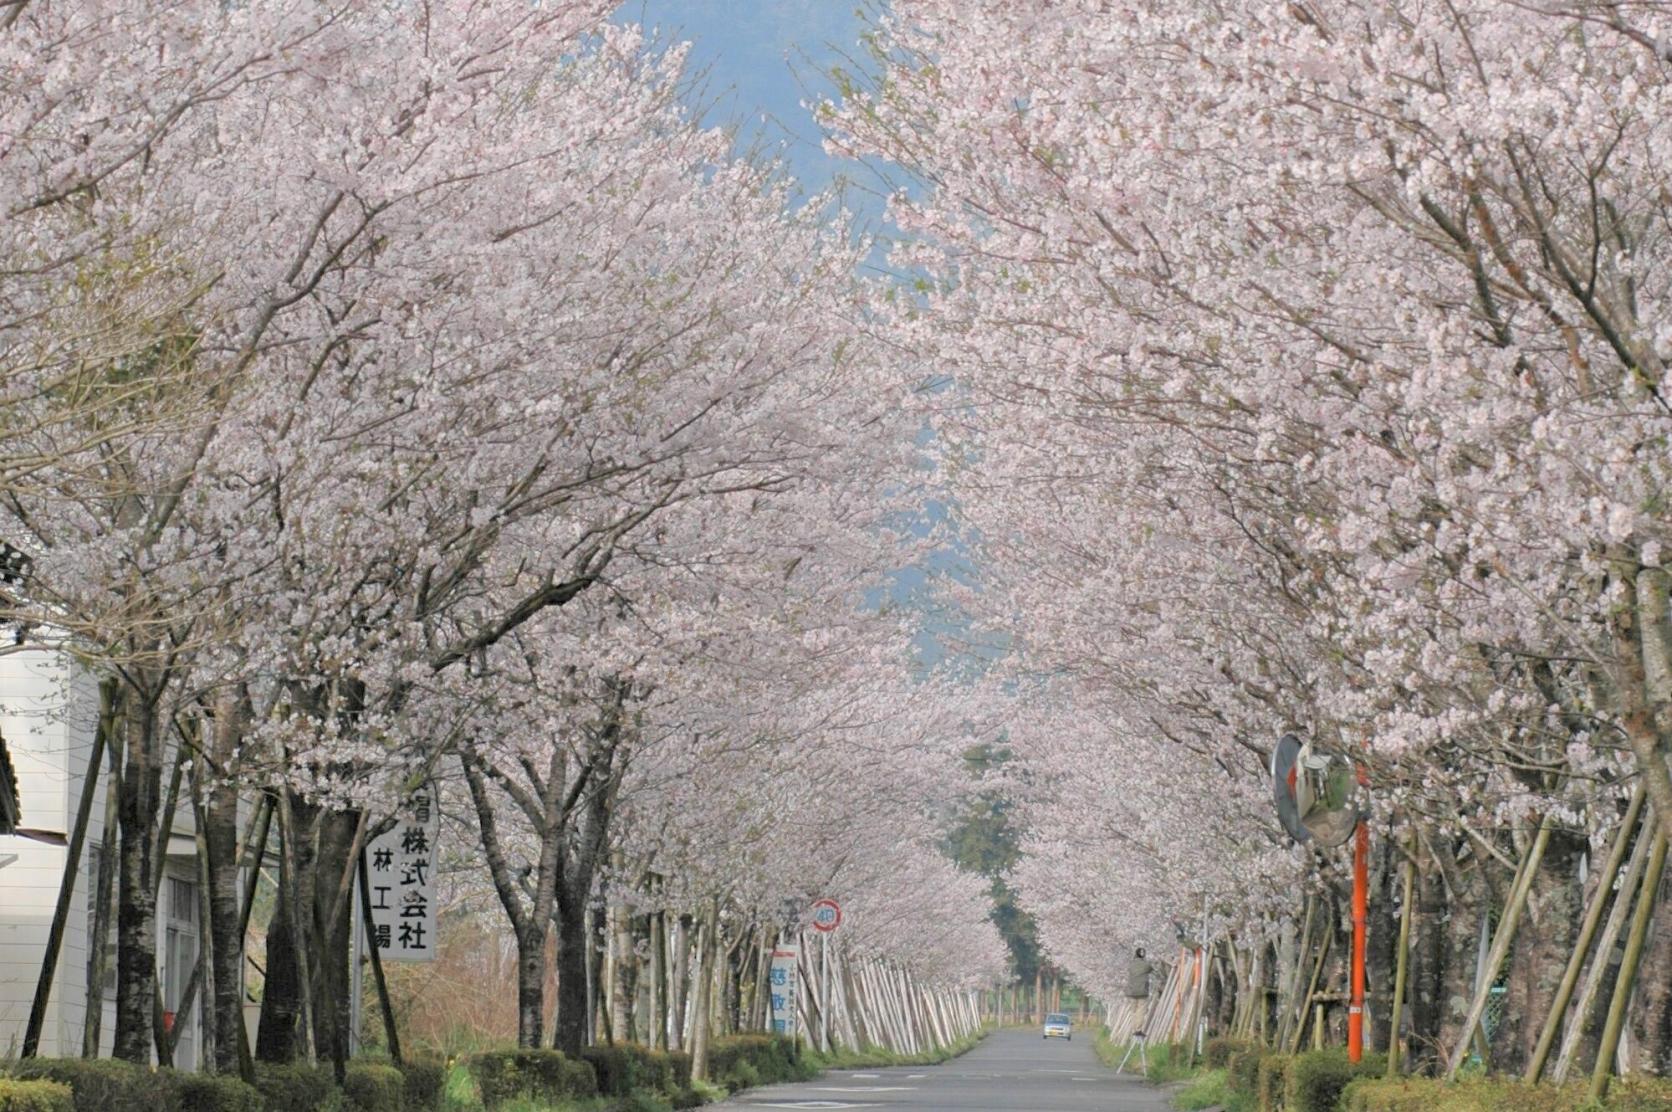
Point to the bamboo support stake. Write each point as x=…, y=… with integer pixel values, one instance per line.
x=1401, y=960
x=1628, y=969
x=1587, y=931
x=102, y=897
x=1311, y=990
x=1501, y=940
x=1288, y=1015
x=1611, y=931
x=72, y=869
x=391, y=1032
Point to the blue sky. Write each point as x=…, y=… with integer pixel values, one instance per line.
x=763, y=59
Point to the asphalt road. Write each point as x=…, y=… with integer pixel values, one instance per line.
x=1011, y=1071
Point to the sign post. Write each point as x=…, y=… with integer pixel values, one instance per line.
x=783, y=985
x=827, y=916
x=402, y=882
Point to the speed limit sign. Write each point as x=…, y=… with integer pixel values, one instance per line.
x=827, y=916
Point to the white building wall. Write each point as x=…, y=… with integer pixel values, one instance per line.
x=48, y=714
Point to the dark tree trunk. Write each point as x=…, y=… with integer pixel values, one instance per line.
x=136, y=914
x=226, y=920
x=281, y=1001
x=1460, y=945
x=1651, y=1030
x=331, y=921
x=569, y=1025
x=1382, y=941
x=1547, y=936
x=1429, y=952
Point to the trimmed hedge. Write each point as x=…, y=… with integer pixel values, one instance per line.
x=1315, y=1080
x=1271, y=1081
x=208, y=1092
x=105, y=1084
x=1242, y=1070
x=112, y=1085
x=1217, y=1052
x=1424, y=1095
x=35, y=1096
x=298, y=1087
x=374, y=1087
x=425, y=1080
x=505, y=1075
x=627, y=1067
x=743, y=1061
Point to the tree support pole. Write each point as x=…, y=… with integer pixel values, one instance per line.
x=1501, y=942
x=72, y=868
x=1587, y=932
x=1611, y=931
x=1405, y=910
x=1628, y=969
x=390, y=1032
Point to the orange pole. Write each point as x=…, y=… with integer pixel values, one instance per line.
x=1178, y=1003
x=1361, y=913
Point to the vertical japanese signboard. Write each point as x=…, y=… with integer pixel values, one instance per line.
x=401, y=867
x=783, y=990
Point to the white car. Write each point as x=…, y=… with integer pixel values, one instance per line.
x=1057, y=1027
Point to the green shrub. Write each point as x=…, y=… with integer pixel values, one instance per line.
x=374, y=1087
x=1271, y=1081
x=208, y=1092
x=642, y=1101
x=679, y=1062
x=1640, y=1094
x=1205, y=1090
x=742, y=1061
x=1313, y=1081
x=1217, y=1052
x=613, y=1067
x=1481, y=1095
x=297, y=1087
x=1242, y=1072
x=425, y=1080
x=105, y=1084
x=687, y=1096
x=505, y=1075
x=628, y=1067
x=35, y=1096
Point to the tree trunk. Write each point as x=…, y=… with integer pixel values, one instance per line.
x=707, y=946
x=226, y=921
x=570, y=1023
x=1430, y=949
x=93, y=1022
x=1651, y=1028
x=331, y=922
x=1554, y=908
x=659, y=980
x=681, y=980
x=136, y=914
x=277, y=1039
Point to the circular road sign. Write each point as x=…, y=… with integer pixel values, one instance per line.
x=827, y=916
x=1285, y=777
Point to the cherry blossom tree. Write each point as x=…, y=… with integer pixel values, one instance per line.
x=1308, y=371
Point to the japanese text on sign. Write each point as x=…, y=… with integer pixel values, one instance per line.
x=401, y=870
x=782, y=986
